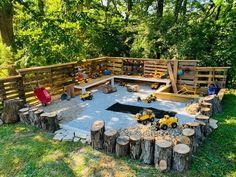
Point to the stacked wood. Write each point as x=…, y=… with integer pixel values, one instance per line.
x=163, y=155
x=147, y=146
x=110, y=136
x=181, y=157
x=97, y=134
x=49, y=122
x=182, y=140
x=122, y=146
x=206, y=129
x=215, y=102
x=24, y=116
x=206, y=111
x=197, y=134
x=10, y=110
x=135, y=147
x=189, y=133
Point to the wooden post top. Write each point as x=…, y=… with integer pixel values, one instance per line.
x=181, y=149
x=97, y=125
x=122, y=140
x=110, y=132
x=188, y=132
x=163, y=143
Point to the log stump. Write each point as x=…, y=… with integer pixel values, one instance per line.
x=206, y=111
x=181, y=160
x=110, y=136
x=37, y=120
x=206, y=119
x=147, y=147
x=163, y=155
x=197, y=134
x=49, y=122
x=24, y=115
x=97, y=134
x=122, y=146
x=215, y=102
x=135, y=147
x=189, y=132
x=10, y=110
x=31, y=115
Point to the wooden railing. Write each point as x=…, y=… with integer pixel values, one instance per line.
x=55, y=77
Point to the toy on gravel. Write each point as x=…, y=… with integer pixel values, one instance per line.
x=166, y=122
x=145, y=116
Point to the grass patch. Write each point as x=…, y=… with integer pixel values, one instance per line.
x=27, y=151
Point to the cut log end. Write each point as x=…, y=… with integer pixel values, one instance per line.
x=181, y=149
x=97, y=125
x=188, y=132
x=163, y=143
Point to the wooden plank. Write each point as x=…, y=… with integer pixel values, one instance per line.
x=173, y=81
x=176, y=64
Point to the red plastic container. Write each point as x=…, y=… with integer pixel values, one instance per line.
x=42, y=94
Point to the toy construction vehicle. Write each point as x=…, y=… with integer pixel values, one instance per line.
x=166, y=122
x=86, y=96
x=108, y=89
x=155, y=86
x=133, y=88
x=186, y=90
x=158, y=74
x=123, y=84
x=145, y=116
x=150, y=98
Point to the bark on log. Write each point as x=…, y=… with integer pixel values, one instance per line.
x=197, y=134
x=206, y=119
x=24, y=115
x=215, y=101
x=37, y=119
x=181, y=160
x=122, y=146
x=189, y=132
x=49, y=121
x=97, y=134
x=10, y=110
x=206, y=111
x=147, y=146
x=135, y=147
x=110, y=136
x=163, y=155
x=31, y=115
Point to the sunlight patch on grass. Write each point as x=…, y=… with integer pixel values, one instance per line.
x=52, y=156
x=21, y=130
x=40, y=138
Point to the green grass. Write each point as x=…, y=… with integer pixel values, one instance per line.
x=27, y=151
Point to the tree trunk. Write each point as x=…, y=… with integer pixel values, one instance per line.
x=10, y=110
x=197, y=134
x=135, y=147
x=147, y=146
x=160, y=5
x=163, y=155
x=37, y=119
x=6, y=24
x=49, y=121
x=110, y=140
x=215, y=102
x=181, y=161
x=97, y=134
x=189, y=132
x=122, y=146
x=24, y=115
x=31, y=115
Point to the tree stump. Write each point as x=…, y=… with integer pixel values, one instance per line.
x=53, y=123
x=37, y=119
x=181, y=160
x=122, y=146
x=110, y=136
x=163, y=155
x=206, y=111
x=197, y=134
x=44, y=120
x=10, y=110
x=31, y=115
x=97, y=134
x=135, y=147
x=24, y=115
x=182, y=140
x=215, y=102
x=206, y=119
x=205, y=105
x=189, y=132
x=147, y=146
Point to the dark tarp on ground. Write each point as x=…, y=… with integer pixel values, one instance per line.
x=117, y=107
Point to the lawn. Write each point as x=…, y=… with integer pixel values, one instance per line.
x=27, y=151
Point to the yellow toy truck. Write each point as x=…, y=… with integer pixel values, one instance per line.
x=145, y=116
x=86, y=96
x=166, y=122
x=154, y=86
x=150, y=98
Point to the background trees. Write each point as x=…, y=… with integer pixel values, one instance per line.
x=42, y=32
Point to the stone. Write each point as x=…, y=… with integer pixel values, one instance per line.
x=69, y=136
x=76, y=139
x=213, y=123
x=60, y=131
x=83, y=141
x=88, y=139
x=80, y=134
x=58, y=137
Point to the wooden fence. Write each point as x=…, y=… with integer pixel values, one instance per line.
x=55, y=77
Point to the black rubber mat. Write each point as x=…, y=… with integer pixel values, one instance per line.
x=117, y=107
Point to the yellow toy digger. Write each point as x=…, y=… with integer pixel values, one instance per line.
x=86, y=96
x=145, y=116
x=150, y=98
x=166, y=122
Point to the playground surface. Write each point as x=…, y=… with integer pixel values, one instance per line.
x=86, y=112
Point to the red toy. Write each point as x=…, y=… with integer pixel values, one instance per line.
x=43, y=95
